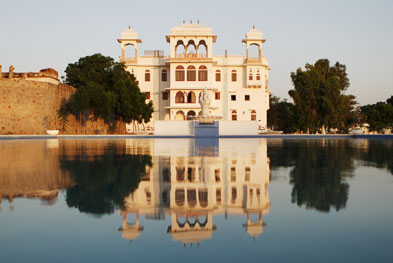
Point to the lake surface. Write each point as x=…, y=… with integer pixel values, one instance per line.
x=181, y=200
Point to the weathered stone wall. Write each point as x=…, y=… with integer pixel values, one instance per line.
x=30, y=107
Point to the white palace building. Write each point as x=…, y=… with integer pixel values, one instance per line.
x=237, y=85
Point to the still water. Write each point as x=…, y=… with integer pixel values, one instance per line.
x=191, y=200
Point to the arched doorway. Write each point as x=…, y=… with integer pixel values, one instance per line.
x=253, y=52
x=202, y=49
x=191, y=49
x=129, y=52
x=180, y=49
x=190, y=115
x=180, y=116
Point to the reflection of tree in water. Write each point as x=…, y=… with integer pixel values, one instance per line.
x=103, y=181
x=318, y=170
x=377, y=153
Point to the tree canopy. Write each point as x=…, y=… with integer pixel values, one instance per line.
x=105, y=90
x=280, y=115
x=319, y=97
x=378, y=115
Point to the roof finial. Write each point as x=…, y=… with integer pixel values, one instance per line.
x=184, y=21
x=253, y=26
x=198, y=21
x=191, y=21
x=129, y=27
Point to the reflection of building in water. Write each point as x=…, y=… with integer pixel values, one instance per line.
x=191, y=189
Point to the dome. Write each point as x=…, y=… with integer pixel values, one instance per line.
x=129, y=34
x=254, y=230
x=254, y=33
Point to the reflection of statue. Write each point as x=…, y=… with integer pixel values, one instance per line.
x=205, y=103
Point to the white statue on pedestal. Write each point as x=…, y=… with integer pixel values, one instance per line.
x=205, y=103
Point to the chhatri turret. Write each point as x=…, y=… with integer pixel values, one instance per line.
x=129, y=37
x=254, y=38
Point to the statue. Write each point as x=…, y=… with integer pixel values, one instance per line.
x=11, y=72
x=205, y=103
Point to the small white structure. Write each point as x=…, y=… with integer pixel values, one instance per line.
x=237, y=85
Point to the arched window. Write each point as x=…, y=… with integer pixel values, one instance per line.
x=250, y=75
x=253, y=52
x=129, y=52
x=218, y=75
x=253, y=115
x=147, y=75
x=179, y=73
x=191, y=73
x=191, y=49
x=190, y=115
x=180, y=49
x=258, y=75
x=202, y=73
x=164, y=75
x=191, y=97
x=179, y=97
x=234, y=115
x=202, y=49
x=234, y=75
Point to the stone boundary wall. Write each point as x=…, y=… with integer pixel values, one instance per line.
x=30, y=107
x=244, y=128
x=178, y=128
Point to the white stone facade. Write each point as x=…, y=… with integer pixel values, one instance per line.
x=237, y=85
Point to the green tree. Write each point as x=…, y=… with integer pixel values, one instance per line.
x=319, y=97
x=281, y=115
x=104, y=90
x=378, y=115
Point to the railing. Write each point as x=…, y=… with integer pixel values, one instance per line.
x=128, y=59
x=192, y=55
x=254, y=86
x=254, y=60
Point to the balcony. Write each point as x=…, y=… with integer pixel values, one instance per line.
x=192, y=56
x=254, y=60
x=128, y=60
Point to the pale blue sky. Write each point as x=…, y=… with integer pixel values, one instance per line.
x=39, y=34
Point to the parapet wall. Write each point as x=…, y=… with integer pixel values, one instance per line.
x=45, y=75
x=30, y=107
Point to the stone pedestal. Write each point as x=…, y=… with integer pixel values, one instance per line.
x=204, y=129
